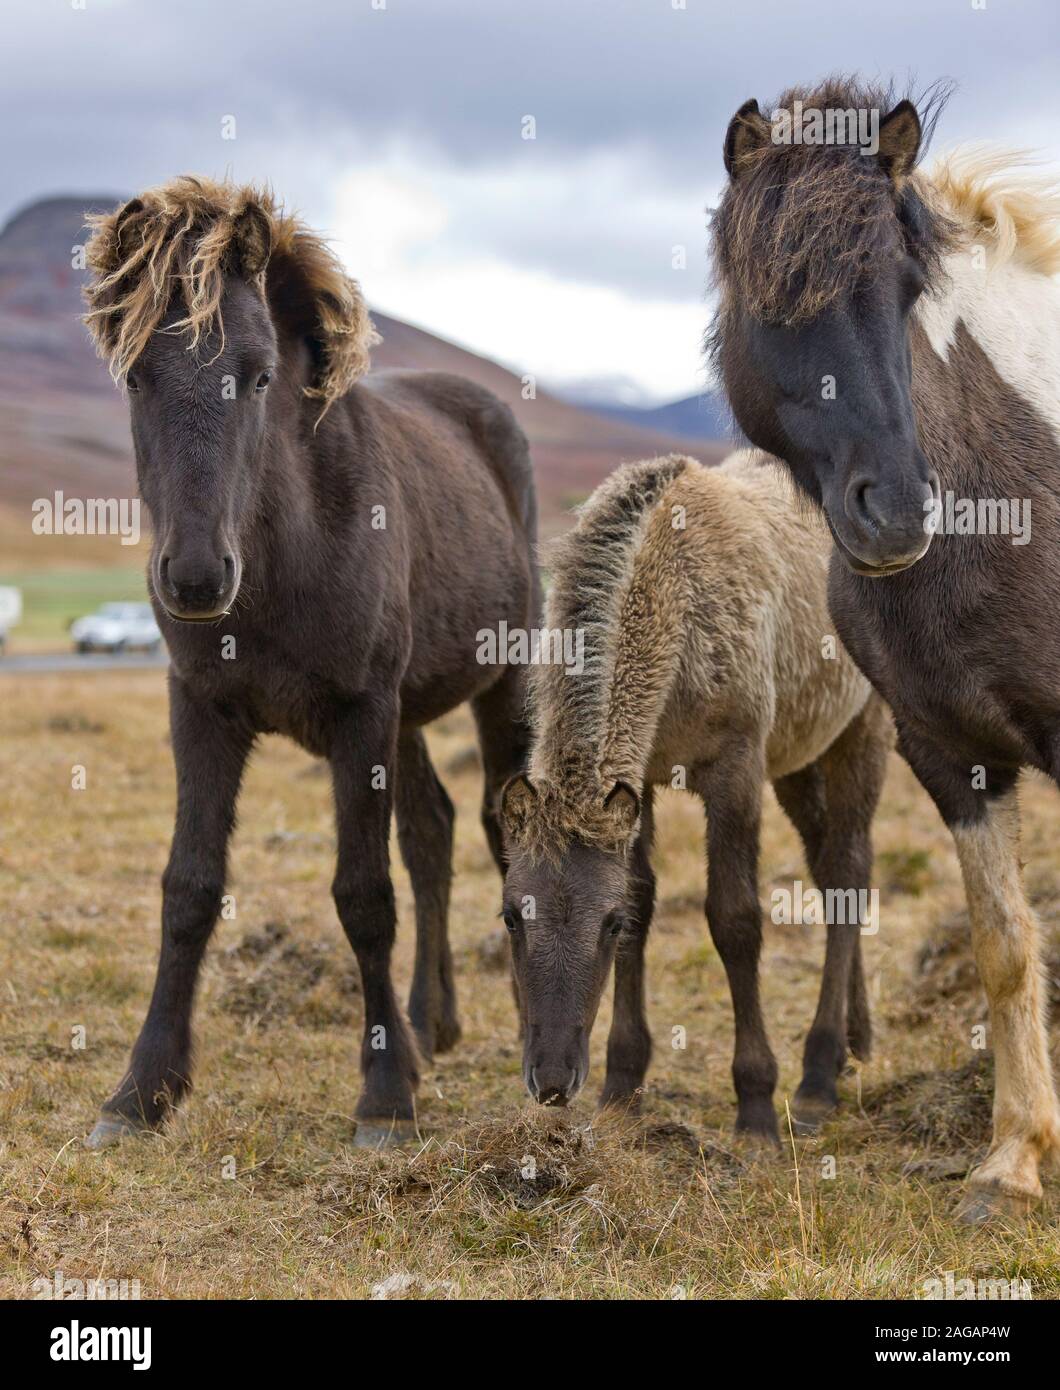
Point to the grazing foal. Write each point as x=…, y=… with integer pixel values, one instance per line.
x=708, y=664
x=930, y=302
x=312, y=575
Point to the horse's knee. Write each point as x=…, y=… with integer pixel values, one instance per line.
x=367, y=912
x=189, y=908
x=491, y=825
x=644, y=898
x=736, y=929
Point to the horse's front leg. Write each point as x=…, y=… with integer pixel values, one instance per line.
x=210, y=750
x=629, y=1042
x=731, y=787
x=1006, y=948
x=985, y=828
x=363, y=762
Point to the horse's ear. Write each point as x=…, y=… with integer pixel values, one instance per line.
x=748, y=131
x=900, y=136
x=518, y=800
x=253, y=240
x=623, y=805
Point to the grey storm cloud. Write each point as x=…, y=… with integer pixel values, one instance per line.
x=123, y=93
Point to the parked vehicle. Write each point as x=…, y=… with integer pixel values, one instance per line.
x=10, y=612
x=117, y=627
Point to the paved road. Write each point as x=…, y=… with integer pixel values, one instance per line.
x=74, y=661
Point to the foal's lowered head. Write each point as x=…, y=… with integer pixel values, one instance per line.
x=821, y=250
x=566, y=905
x=219, y=312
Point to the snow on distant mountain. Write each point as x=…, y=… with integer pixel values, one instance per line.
x=703, y=416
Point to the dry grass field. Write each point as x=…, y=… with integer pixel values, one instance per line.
x=256, y=1191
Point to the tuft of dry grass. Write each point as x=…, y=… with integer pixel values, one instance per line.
x=255, y=1190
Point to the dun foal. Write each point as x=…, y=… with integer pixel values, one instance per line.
x=312, y=576
x=701, y=597
x=930, y=302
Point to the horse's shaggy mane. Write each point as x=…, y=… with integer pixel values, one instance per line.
x=182, y=238
x=994, y=195
x=591, y=729
x=804, y=225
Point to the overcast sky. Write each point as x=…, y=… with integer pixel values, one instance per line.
x=397, y=127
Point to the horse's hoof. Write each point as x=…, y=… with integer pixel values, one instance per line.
x=434, y=1039
x=447, y=1035
x=982, y=1206
x=112, y=1129
x=809, y=1113
x=621, y=1102
x=756, y=1146
x=385, y=1134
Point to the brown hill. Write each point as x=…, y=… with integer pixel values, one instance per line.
x=64, y=426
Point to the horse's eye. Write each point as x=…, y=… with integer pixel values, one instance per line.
x=511, y=919
x=613, y=923
x=263, y=381
x=131, y=382
x=914, y=282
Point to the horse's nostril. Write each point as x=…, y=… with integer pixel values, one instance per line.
x=553, y=1096
x=554, y=1087
x=163, y=569
x=863, y=508
x=230, y=567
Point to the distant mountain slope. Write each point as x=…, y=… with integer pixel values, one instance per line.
x=701, y=417
x=573, y=448
x=64, y=425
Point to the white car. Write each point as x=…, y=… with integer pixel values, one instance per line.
x=10, y=612
x=117, y=627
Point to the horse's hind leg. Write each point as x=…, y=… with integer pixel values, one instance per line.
x=365, y=742
x=629, y=1042
x=831, y=804
x=859, y=1013
x=425, y=837
x=504, y=737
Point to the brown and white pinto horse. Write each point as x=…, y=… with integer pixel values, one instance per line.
x=894, y=337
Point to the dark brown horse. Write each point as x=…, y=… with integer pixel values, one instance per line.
x=893, y=337
x=325, y=551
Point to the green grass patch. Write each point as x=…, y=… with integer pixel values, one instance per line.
x=51, y=599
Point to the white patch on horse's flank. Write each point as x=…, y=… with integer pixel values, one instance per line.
x=1013, y=313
